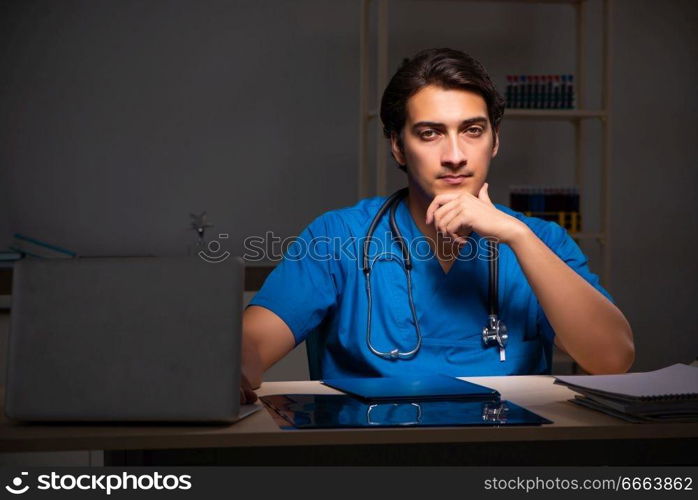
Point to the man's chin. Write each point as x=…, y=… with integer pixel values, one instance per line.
x=454, y=189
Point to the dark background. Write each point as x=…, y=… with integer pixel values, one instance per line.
x=119, y=118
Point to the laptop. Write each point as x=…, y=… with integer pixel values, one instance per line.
x=126, y=339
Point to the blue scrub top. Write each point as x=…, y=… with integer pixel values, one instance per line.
x=319, y=286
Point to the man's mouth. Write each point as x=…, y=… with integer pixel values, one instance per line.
x=454, y=179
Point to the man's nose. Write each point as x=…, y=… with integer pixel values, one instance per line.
x=453, y=156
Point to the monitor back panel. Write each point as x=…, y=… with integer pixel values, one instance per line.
x=129, y=339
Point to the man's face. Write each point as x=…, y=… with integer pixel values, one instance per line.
x=447, y=141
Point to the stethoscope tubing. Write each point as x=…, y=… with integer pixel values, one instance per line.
x=391, y=205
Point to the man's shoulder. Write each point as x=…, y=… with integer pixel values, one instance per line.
x=352, y=218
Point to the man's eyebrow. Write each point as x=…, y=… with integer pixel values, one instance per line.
x=470, y=121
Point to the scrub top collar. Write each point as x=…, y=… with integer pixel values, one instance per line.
x=411, y=232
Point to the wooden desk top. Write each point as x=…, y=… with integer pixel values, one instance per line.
x=535, y=392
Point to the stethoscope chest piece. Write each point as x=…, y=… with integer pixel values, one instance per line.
x=495, y=333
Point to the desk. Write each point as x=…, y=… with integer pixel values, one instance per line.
x=578, y=436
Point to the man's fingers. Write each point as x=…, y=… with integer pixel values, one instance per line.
x=247, y=396
x=442, y=210
x=250, y=396
x=443, y=220
x=437, y=203
x=452, y=228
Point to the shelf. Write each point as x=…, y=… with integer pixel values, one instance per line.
x=539, y=114
x=573, y=2
x=588, y=236
x=372, y=176
x=554, y=114
x=567, y=2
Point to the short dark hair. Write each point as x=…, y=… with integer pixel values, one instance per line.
x=446, y=68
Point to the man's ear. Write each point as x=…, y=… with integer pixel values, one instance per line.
x=496, y=143
x=396, y=149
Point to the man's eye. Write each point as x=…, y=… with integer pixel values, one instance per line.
x=474, y=131
x=427, y=134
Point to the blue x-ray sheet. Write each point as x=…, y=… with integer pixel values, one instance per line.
x=310, y=411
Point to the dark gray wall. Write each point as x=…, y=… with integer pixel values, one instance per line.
x=655, y=176
x=118, y=118
x=121, y=117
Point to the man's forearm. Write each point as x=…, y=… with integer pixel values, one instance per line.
x=265, y=340
x=252, y=369
x=591, y=329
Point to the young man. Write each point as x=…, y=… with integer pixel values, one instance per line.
x=441, y=113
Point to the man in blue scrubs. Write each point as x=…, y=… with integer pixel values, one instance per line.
x=441, y=114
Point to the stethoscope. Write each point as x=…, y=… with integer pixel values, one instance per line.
x=494, y=333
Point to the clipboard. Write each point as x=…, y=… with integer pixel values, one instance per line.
x=412, y=387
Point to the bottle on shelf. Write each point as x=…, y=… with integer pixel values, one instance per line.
x=554, y=203
x=540, y=92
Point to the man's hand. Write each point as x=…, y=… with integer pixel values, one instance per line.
x=456, y=215
x=247, y=395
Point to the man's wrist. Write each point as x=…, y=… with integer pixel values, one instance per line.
x=517, y=233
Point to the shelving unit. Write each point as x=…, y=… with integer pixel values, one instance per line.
x=554, y=114
x=370, y=124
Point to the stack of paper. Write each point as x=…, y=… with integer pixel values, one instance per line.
x=666, y=395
